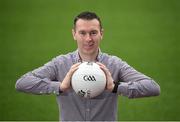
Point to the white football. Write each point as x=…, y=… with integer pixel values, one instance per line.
x=88, y=80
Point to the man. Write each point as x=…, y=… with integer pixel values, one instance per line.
x=55, y=76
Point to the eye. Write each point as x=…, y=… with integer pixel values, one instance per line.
x=93, y=33
x=83, y=33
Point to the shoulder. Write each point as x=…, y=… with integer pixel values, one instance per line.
x=64, y=58
x=116, y=64
x=114, y=61
x=110, y=58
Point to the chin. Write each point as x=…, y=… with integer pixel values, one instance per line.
x=89, y=52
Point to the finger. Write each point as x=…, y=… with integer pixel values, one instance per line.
x=102, y=68
x=100, y=64
x=75, y=65
x=74, y=68
x=106, y=70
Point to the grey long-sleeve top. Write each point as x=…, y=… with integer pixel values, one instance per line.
x=46, y=80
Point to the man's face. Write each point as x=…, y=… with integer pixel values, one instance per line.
x=88, y=35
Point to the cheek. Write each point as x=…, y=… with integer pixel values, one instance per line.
x=76, y=36
x=79, y=42
x=98, y=38
x=79, y=38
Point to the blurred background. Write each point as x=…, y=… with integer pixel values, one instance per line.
x=144, y=33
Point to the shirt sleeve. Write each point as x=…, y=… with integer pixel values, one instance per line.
x=40, y=81
x=136, y=84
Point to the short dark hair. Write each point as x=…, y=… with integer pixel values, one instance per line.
x=86, y=15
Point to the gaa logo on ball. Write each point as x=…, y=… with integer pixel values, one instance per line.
x=88, y=80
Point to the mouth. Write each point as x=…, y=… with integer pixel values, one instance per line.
x=88, y=46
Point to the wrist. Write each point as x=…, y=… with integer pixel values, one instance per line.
x=63, y=87
x=115, y=88
x=111, y=87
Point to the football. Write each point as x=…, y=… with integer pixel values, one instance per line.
x=88, y=80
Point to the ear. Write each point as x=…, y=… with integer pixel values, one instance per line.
x=74, y=33
x=102, y=33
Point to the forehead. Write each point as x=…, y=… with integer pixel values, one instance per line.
x=87, y=24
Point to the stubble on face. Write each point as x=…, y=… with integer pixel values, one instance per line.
x=88, y=35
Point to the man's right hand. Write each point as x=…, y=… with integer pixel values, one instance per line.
x=66, y=83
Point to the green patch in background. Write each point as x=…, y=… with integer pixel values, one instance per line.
x=145, y=33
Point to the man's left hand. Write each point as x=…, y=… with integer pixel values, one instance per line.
x=109, y=79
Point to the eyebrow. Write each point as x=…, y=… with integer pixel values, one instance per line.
x=88, y=31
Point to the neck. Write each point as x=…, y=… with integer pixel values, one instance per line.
x=89, y=58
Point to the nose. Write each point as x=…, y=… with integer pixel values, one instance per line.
x=88, y=37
